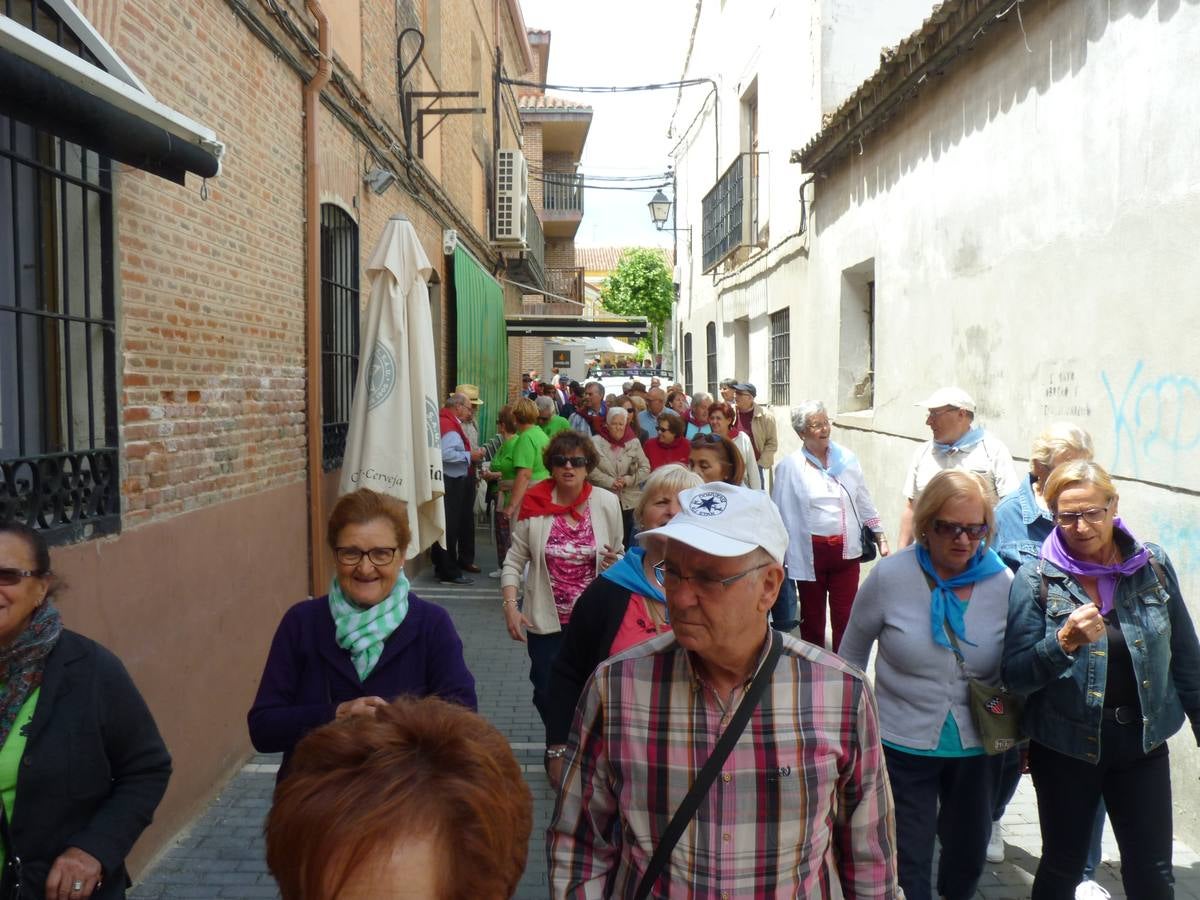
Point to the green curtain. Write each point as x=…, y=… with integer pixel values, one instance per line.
x=482, y=339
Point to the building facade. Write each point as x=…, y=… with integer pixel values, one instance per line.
x=174, y=384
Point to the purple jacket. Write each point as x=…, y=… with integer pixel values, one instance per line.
x=307, y=674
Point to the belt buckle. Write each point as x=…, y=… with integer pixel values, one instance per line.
x=1123, y=715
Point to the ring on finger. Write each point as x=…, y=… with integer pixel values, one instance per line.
x=76, y=886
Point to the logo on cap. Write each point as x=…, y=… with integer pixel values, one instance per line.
x=710, y=503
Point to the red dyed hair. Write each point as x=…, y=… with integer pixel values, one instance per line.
x=365, y=505
x=418, y=768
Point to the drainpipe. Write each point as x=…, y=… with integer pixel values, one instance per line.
x=312, y=289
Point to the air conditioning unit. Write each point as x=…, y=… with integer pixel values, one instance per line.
x=512, y=189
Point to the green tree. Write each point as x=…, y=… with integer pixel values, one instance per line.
x=641, y=285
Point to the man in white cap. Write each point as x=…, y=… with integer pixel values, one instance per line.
x=957, y=443
x=802, y=799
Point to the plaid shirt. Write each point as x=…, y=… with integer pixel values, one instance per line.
x=802, y=801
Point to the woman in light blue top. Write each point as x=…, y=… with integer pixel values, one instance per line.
x=937, y=610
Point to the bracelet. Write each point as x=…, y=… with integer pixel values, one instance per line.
x=509, y=601
x=556, y=752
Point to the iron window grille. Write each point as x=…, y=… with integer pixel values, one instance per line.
x=710, y=336
x=781, y=379
x=339, y=329
x=59, y=463
x=729, y=212
x=688, y=380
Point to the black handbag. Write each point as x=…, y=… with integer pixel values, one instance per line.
x=10, y=877
x=708, y=773
x=866, y=535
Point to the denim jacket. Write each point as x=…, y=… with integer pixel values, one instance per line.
x=1066, y=692
x=1021, y=526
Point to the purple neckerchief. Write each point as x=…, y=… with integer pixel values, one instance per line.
x=1055, y=551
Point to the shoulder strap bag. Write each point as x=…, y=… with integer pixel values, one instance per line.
x=995, y=711
x=10, y=875
x=865, y=534
x=687, y=809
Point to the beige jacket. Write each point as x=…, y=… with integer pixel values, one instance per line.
x=762, y=423
x=529, y=538
x=628, y=462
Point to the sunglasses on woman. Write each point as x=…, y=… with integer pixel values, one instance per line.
x=9, y=577
x=952, y=530
x=558, y=461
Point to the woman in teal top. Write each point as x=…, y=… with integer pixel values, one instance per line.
x=82, y=765
x=528, y=453
x=501, y=473
x=950, y=587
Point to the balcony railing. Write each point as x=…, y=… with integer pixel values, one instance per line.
x=565, y=283
x=535, y=256
x=730, y=212
x=562, y=193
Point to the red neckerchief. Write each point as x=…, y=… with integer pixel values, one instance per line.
x=539, y=501
x=629, y=435
x=448, y=421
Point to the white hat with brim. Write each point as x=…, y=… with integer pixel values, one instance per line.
x=717, y=519
x=948, y=396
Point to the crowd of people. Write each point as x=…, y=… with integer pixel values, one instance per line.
x=655, y=560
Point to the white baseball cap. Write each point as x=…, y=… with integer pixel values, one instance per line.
x=949, y=396
x=725, y=520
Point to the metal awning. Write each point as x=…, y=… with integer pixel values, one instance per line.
x=56, y=91
x=572, y=326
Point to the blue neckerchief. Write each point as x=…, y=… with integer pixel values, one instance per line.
x=944, y=607
x=838, y=460
x=629, y=573
x=973, y=436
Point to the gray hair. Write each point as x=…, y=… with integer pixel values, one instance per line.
x=615, y=412
x=456, y=400
x=1060, y=438
x=700, y=398
x=627, y=387
x=805, y=411
x=597, y=385
x=545, y=404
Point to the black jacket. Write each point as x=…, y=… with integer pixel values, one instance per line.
x=94, y=767
x=586, y=642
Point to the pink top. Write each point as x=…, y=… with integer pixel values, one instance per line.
x=636, y=625
x=570, y=559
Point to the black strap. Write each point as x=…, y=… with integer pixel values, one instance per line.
x=10, y=875
x=687, y=809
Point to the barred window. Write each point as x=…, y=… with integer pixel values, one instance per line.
x=59, y=469
x=710, y=335
x=339, y=328
x=687, y=363
x=781, y=371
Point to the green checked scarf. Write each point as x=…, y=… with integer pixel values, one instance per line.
x=363, y=631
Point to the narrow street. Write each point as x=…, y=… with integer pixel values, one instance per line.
x=221, y=854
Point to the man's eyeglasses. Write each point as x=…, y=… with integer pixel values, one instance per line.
x=1093, y=516
x=9, y=577
x=952, y=530
x=558, y=461
x=701, y=584
x=352, y=556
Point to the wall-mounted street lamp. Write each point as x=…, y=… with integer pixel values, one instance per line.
x=660, y=208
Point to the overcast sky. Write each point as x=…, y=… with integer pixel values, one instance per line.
x=619, y=42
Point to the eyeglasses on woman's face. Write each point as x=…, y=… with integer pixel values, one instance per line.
x=352, y=556
x=1093, y=516
x=9, y=577
x=974, y=532
x=559, y=461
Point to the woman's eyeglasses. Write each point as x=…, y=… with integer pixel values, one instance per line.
x=1093, y=516
x=352, y=556
x=9, y=577
x=558, y=461
x=953, y=529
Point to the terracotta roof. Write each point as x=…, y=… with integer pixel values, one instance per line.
x=604, y=259
x=546, y=101
x=951, y=28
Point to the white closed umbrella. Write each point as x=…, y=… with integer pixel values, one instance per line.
x=394, y=443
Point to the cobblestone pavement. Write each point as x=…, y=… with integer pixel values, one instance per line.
x=221, y=854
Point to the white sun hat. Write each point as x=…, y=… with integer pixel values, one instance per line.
x=725, y=520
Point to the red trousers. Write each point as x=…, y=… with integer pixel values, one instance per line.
x=837, y=579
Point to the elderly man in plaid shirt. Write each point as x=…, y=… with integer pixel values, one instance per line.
x=801, y=802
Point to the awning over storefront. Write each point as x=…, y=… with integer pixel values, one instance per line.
x=573, y=326
x=482, y=346
x=58, y=92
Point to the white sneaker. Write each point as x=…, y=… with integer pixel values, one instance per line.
x=495, y=574
x=995, y=847
x=1090, y=890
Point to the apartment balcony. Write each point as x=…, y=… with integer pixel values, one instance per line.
x=562, y=204
x=565, y=283
x=529, y=267
x=733, y=214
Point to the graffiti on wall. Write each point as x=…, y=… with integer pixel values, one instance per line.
x=1155, y=418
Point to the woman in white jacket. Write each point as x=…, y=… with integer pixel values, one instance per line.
x=566, y=533
x=823, y=498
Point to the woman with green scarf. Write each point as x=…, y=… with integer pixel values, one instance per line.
x=367, y=642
